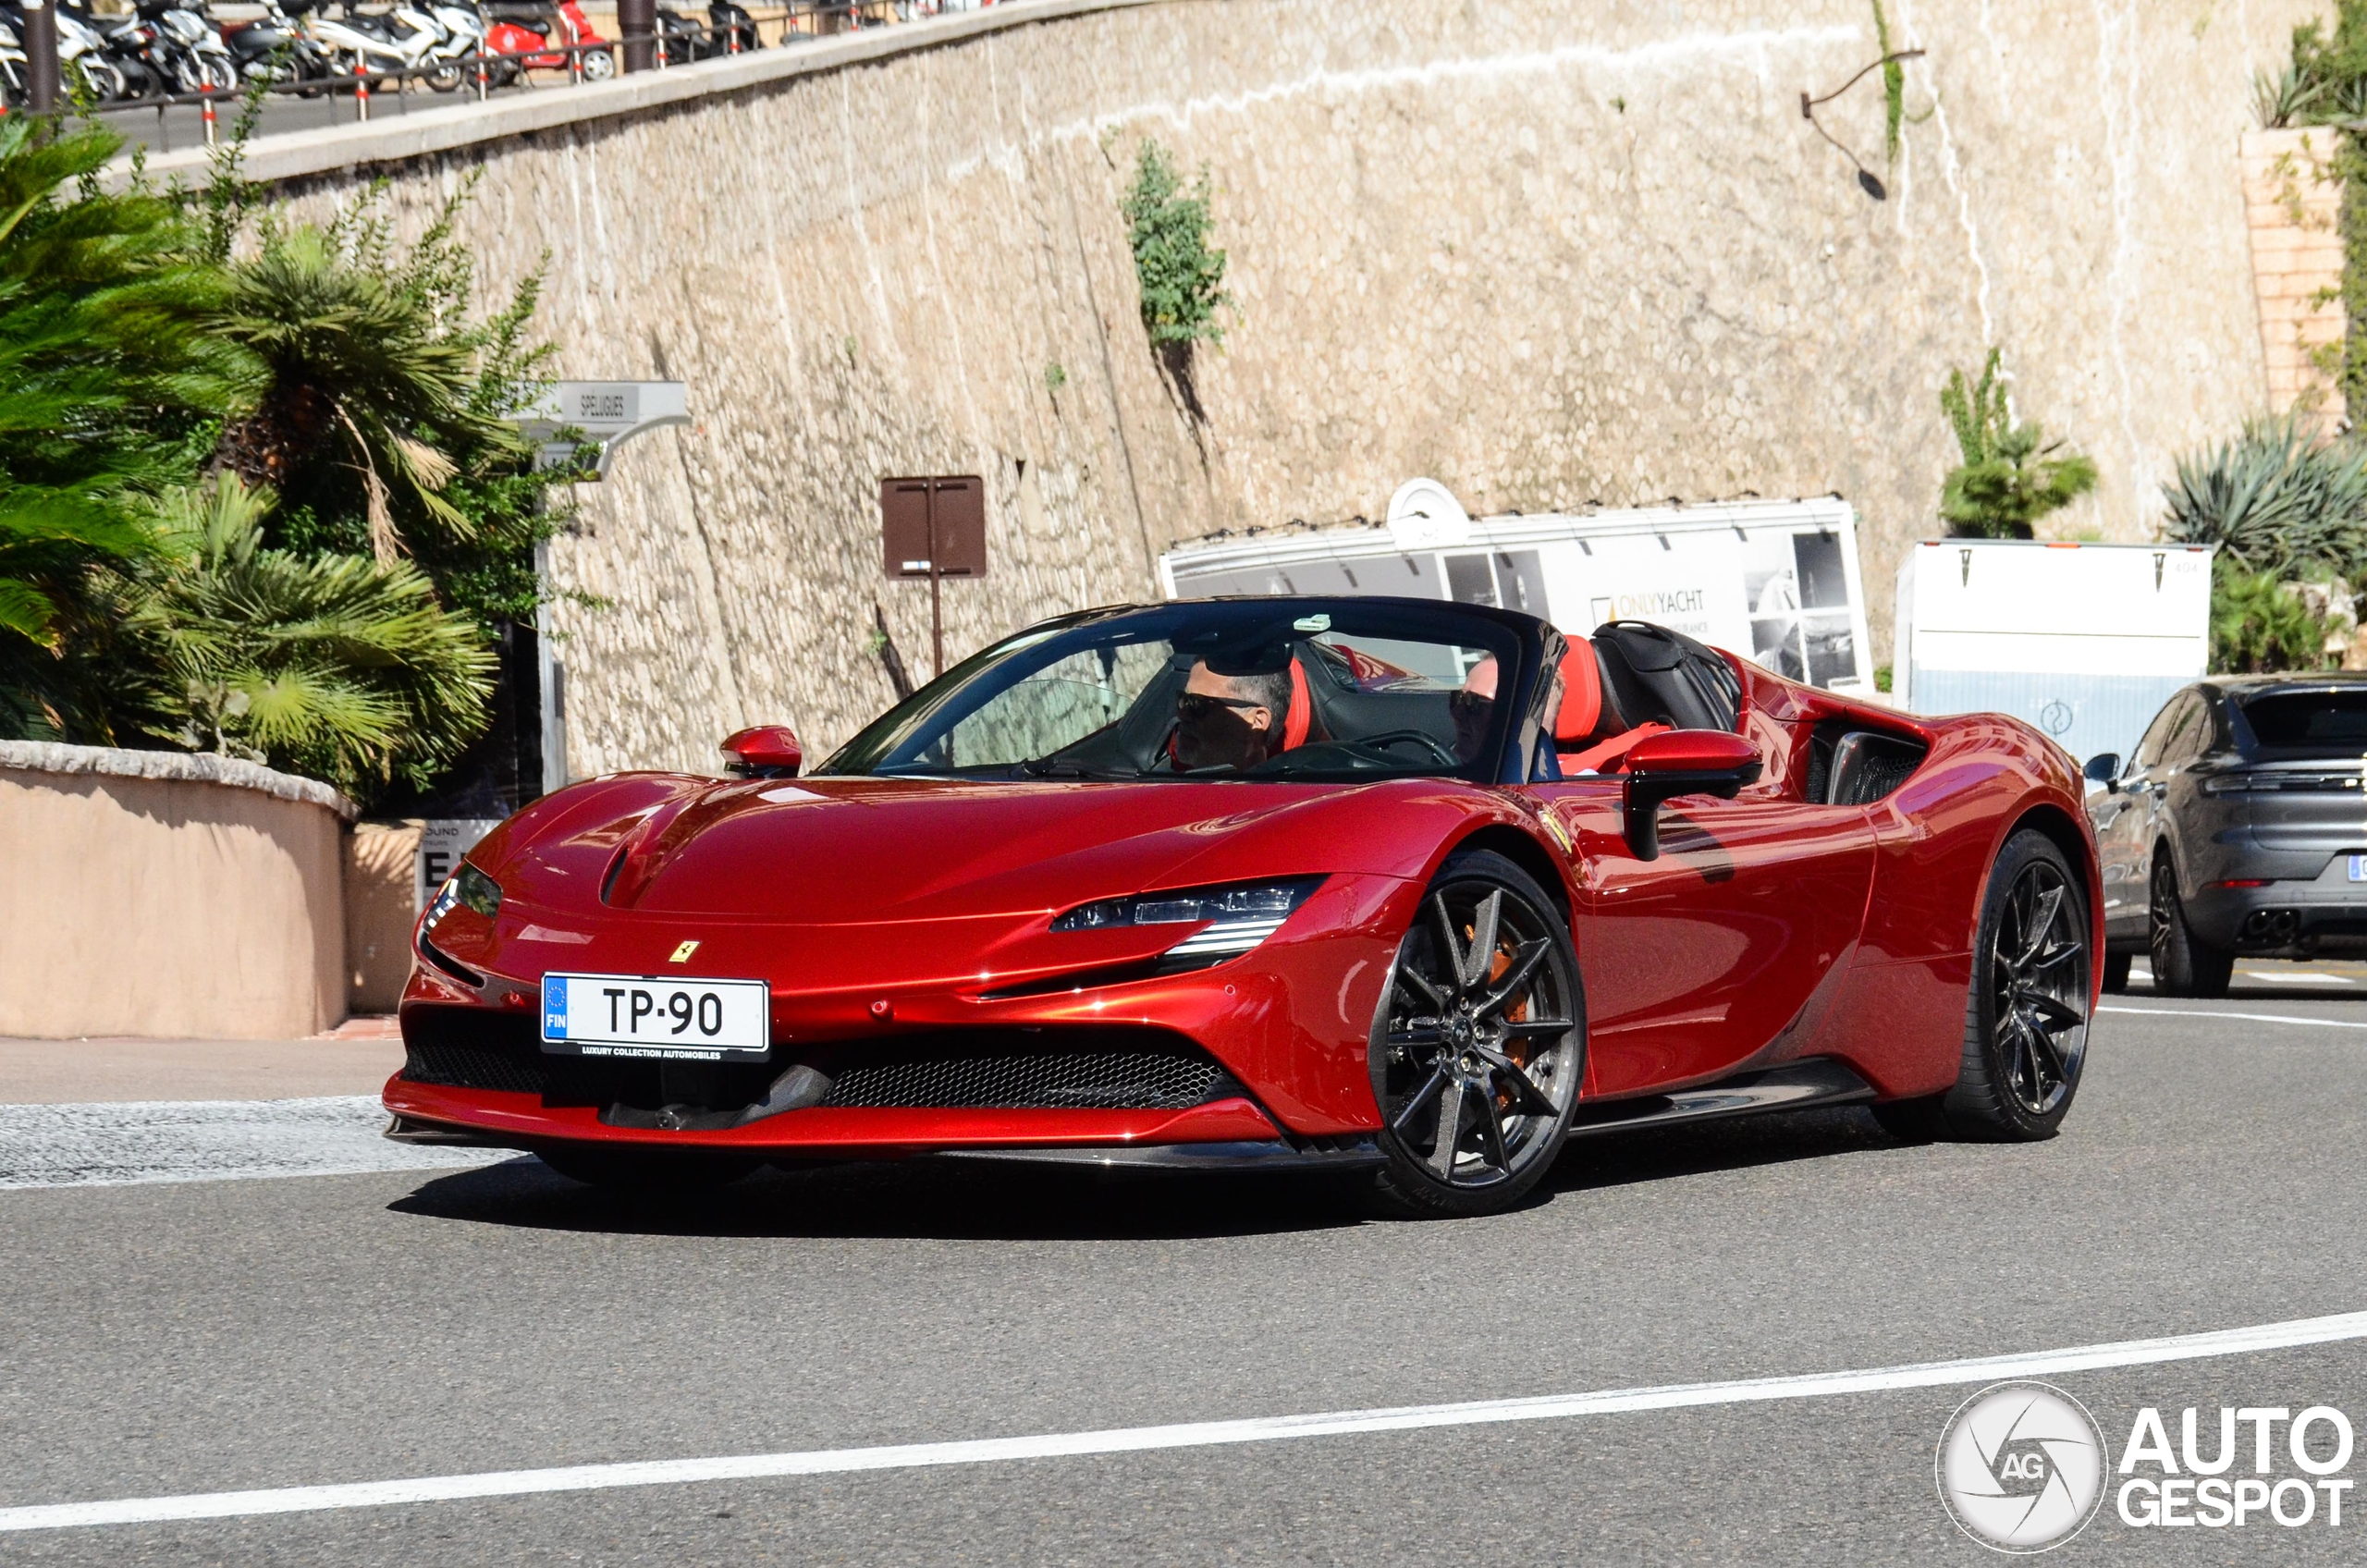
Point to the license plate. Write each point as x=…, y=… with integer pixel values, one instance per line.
x=2359, y=868
x=634, y=1015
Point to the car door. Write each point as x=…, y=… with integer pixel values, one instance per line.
x=2131, y=816
x=2117, y=815
x=1696, y=961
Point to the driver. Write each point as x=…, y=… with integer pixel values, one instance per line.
x=1230, y=720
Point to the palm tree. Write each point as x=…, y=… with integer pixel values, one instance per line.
x=374, y=377
x=110, y=374
x=340, y=667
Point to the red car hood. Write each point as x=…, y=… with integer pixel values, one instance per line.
x=826, y=851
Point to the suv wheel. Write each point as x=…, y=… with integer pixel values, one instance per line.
x=2184, y=966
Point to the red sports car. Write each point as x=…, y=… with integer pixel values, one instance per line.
x=1412, y=890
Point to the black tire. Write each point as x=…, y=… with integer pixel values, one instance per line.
x=2184, y=965
x=1484, y=1004
x=654, y=1174
x=2026, y=1019
x=2116, y=971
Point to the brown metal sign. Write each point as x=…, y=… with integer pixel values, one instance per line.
x=934, y=527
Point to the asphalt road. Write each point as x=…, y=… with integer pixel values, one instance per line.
x=199, y=1336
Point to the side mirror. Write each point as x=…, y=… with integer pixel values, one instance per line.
x=2105, y=769
x=764, y=750
x=1681, y=762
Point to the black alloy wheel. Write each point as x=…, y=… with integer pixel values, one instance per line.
x=2026, y=1021
x=2184, y=966
x=1481, y=1043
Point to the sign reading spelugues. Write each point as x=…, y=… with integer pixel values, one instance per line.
x=2022, y=1466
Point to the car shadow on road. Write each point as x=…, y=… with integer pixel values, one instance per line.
x=1657, y=1154
x=915, y=1199
x=966, y=1200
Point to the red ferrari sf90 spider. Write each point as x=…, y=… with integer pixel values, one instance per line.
x=1412, y=890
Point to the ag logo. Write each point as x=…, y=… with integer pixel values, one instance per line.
x=2056, y=716
x=2021, y=1467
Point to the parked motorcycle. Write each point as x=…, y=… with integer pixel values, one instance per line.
x=525, y=28
x=275, y=47
x=681, y=40
x=83, y=57
x=187, y=52
x=406, y=41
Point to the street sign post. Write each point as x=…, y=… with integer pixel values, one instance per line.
x=609, y=413
x=934, y=528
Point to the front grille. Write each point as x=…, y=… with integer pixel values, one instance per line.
x=1150, y=1074
x=464, y=1049
x=1101, y=1068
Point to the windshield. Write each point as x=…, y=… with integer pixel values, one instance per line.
x=1273, y=689
x=2318, y=721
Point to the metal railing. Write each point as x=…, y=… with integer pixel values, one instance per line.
x=484, y=74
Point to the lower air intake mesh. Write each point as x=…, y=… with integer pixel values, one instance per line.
x=463, y=1049
x=1158, y=1078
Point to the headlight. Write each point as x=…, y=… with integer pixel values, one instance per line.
x=470, y=887
x=1238, y=917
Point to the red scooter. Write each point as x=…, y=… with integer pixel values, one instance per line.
x=524, y=31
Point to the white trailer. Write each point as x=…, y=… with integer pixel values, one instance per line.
x=1774, y=581
x=2087, y=641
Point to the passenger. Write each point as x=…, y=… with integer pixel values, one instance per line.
x=1472, y=708
x=1234, y=721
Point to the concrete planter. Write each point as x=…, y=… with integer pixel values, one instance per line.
x=160, y=894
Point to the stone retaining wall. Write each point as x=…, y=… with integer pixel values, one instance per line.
x=1549, y=252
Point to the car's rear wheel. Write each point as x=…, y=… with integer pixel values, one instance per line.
x=2184, y=965
x=2026, y=1021
x=646, y=1172
x=1481, y=1043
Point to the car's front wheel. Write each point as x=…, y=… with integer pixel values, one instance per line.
x=2026, y=1020
x=1481, y=1043
x=2184, y=965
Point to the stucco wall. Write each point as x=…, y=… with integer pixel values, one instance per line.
x=148, y=896
x=1549, y=252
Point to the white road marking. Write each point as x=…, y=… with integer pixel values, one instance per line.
x=2290, y=979
x=1201, y=1433
x=2252, y=1017
x=106, y=1146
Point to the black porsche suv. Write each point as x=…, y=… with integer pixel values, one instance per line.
x=2236, y=828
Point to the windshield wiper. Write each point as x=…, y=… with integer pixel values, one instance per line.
x=1045, y=767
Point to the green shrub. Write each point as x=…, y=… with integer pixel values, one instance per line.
x=1181, y=275
x=2258, y=624
x=2010, y=477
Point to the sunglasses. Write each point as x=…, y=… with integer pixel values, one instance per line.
x=1193, y=706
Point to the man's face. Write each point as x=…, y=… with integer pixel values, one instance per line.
x=1473, y=709
x=1219, y=724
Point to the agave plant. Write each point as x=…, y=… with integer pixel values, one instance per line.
x=341, y=667
x=2285, y=97
x=2275, y=498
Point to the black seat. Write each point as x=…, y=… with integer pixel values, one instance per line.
x=1655, y=676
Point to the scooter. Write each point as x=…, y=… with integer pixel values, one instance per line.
x=523, y=28
x=275, y=47
x=188, y=48
x=403, y=42
x=16, y=81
